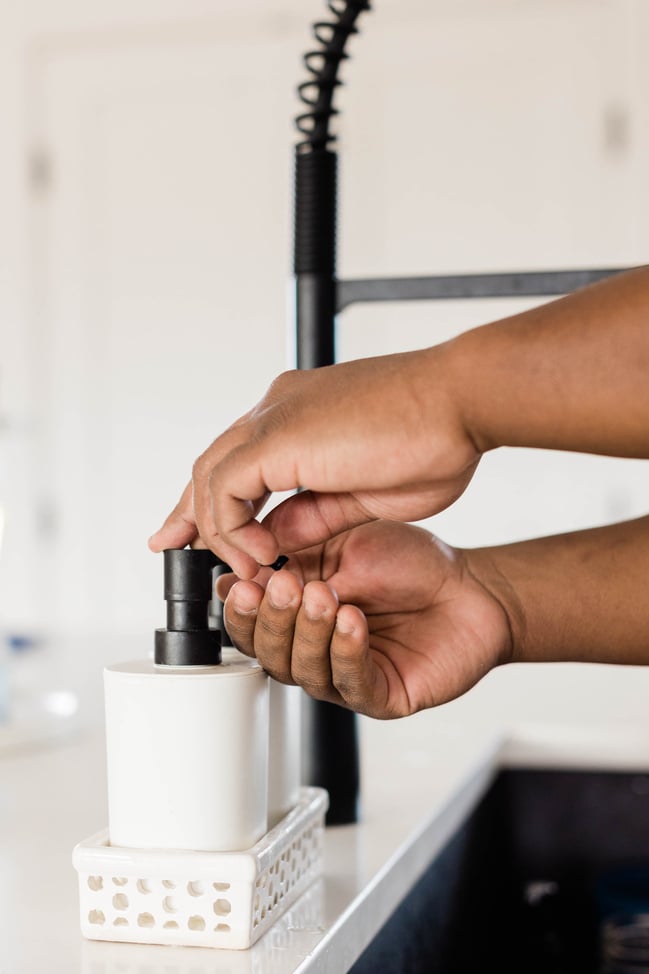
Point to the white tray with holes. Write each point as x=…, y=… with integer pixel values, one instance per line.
x=204, y=899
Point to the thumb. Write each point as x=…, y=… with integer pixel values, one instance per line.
x=308, y=518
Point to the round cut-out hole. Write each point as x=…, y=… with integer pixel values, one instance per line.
x=168, y=884
x=96, y=916
x=221, y=887
x=120, y=880
x=170, y=925
x=145, y=920
x=170, y=904
x=196, y=888
x=143, y=886
x=120, y=922
x=120, y=901
x=222, y=928
x=196, y=923
x=222, y=907
x=95, y=883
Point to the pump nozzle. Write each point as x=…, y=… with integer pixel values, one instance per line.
x=188, y=640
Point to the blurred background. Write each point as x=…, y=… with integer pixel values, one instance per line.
x=145, y=261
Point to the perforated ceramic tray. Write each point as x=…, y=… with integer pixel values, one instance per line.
x=205, y=899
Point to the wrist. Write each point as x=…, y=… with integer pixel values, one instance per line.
x=475, y=386
x=484, y=569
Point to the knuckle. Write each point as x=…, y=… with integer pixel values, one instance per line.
x=316, y=689
x=277, y=672
x=342, y=686
x=272, y=410
x=313, y=643
x=316, y=684
x=236, y=627
x=347, y=687
x=346, y=661
x=243, y=646
x=200, y=467
x=281, y=383
x=272, y=630
x=241, y=638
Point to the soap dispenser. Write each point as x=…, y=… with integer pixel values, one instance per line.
x=187, y=731
x=210, y=836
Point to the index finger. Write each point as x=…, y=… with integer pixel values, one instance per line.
x=179, y=528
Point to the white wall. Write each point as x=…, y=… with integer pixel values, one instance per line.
x=490, y=137
x=143, y=274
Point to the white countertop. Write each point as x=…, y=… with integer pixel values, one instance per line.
x=420, y=778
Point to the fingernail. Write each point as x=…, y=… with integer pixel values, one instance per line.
x=242, y=603
x=278, y=597
x=314, y=610
x=344, y=627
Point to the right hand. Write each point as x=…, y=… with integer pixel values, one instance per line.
x=373, y=438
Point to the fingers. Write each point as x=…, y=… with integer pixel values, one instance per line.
x=179, y=528
x=235, y=476
x=309, y=518
x=355, y=676
x=302, y=636
x=240, y=611
x=310, y=664
x=287, y=628
x=231, y=495
x=262, y=623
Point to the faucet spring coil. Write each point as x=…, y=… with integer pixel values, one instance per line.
x=322, y=64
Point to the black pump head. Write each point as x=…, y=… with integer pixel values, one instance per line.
x=188, y=639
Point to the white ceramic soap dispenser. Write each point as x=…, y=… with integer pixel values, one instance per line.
x=187, y=733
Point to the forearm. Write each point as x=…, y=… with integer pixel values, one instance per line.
x=568, y=375
x=581, y=597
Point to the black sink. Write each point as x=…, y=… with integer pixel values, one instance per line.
x=550, y=869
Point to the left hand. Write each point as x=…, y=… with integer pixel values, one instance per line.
x=384, y=619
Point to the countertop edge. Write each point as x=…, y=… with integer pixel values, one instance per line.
x=356, y=927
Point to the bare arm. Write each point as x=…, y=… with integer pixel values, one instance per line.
x=581, y=596
x=572, y=374
x=399, y=437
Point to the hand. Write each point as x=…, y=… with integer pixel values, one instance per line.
x=384, y=619
x=374, y=438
